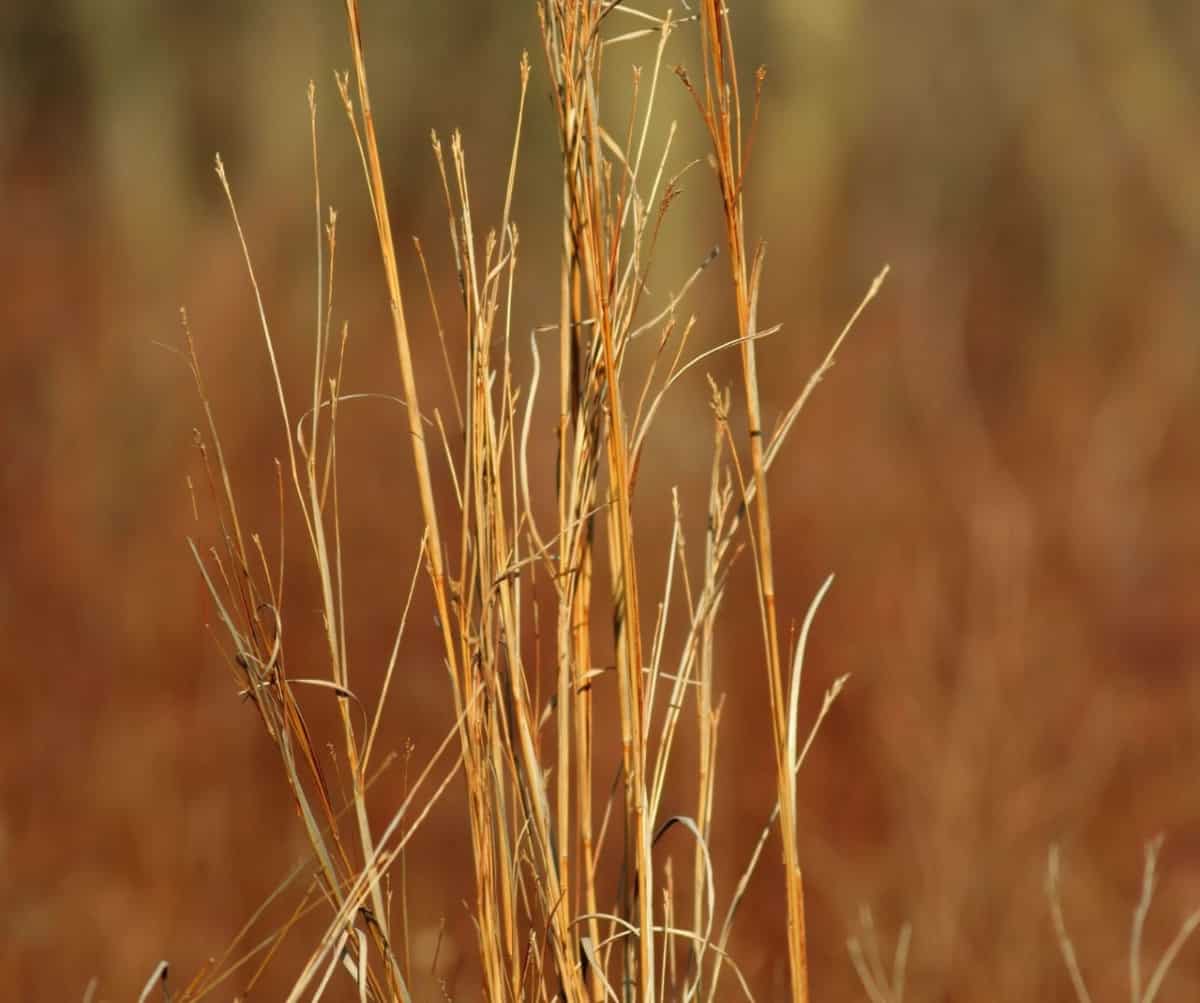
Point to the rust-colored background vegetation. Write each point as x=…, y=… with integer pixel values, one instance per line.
x=1003, y=469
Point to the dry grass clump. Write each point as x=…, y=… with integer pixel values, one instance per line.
x=543, y=811
x=1141, y=989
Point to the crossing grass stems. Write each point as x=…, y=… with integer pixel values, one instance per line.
x=539, y=804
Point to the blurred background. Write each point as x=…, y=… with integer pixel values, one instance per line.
x=1002, y=470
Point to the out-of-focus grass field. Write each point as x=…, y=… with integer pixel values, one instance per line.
x=1003, y=469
